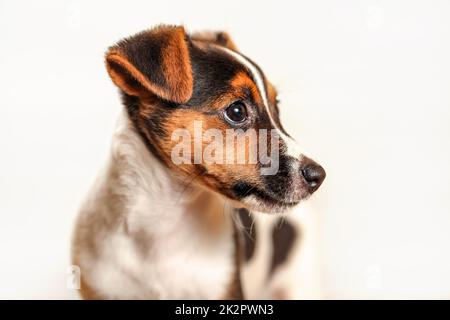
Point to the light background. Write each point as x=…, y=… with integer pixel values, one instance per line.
x=364, y=86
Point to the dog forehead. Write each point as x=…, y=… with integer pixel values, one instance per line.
x=213, y=72
x=215, y=59
x=218, y=70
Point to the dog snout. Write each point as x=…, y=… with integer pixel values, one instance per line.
x=313, y=173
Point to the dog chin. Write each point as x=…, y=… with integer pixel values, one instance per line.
x=270, y=206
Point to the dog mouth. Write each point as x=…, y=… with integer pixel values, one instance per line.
x=268, y=198
x=265, y=201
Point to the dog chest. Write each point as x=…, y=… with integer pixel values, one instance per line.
x=185, y=264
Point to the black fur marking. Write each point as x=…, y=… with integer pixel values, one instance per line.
x=284, y=235
x=132, y=106
x=157, y=119
x=242, y=189
x=279, y=183
x=144, y=51
x=201, y=169
x=212, y=71
x=249, y=233
x=221, y=39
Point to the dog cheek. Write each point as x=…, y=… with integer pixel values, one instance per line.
x=183, y=143
x=196, y=144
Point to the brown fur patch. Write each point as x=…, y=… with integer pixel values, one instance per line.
x=217, y=175
x=242, y=81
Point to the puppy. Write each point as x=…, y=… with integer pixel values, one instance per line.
x=162, y=222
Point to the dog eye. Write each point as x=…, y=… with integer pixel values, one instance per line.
x=236, y=112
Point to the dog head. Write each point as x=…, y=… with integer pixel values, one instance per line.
x=210, y=115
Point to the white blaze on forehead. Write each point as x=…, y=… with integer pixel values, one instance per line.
x=293, y=149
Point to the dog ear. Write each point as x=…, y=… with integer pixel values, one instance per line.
x=155, y=61
x=220, y=38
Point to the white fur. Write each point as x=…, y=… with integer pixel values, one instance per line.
x=299, y=276
x=152, y=245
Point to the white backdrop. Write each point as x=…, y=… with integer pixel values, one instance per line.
x=364, y=85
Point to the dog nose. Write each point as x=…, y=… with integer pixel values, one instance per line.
x=313, y=174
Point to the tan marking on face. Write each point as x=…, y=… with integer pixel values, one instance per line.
x=242, y=80
x=216, y=176
x=239, y=83
x=226, y=99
